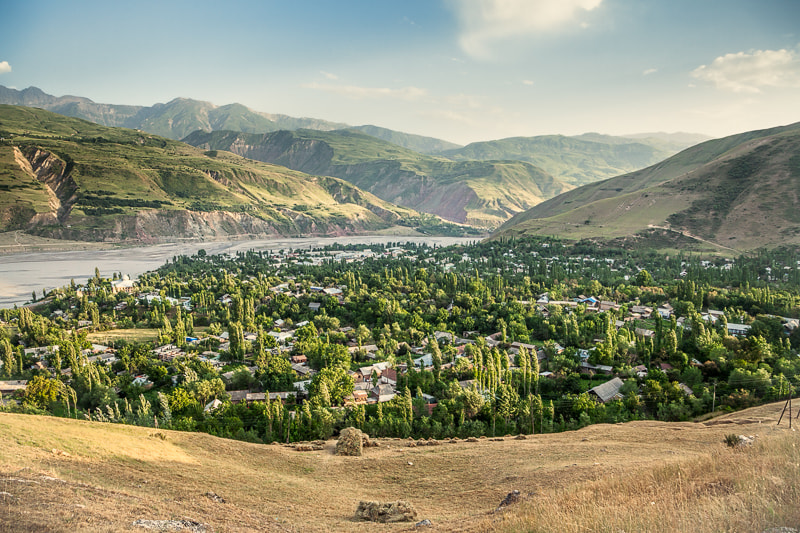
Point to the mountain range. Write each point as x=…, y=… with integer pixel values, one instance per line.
x=577, y=160
x=69, y=178
x=181, y=116
x=573, y=160
x=737, y=193
x=479, y=193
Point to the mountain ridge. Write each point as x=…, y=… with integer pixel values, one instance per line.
x=483, y=193
x=72, y=179
x=181, y=116
x=736, y=192
x=576, y=160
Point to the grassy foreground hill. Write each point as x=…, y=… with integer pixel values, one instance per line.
x=68, y=475
x=68, y=178
x=481, y=193
x=739, y=192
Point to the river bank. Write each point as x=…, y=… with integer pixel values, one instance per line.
x=21, y=273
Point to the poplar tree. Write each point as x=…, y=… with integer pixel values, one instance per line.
x=436, y=356
x=7, y=356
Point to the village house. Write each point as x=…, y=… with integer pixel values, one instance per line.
x=126, y=285
x=738, y=330
x=607, y=305
x=8, y=388
x=590, y=369
x=642, y=310
x=665, y=311
x=167, y=352
x=303, y=370
x=383, y=393
x=40, y=352
x=253, y=397
x=105, y=358
x=610, y=390
x=358, y=397
x=143, y=381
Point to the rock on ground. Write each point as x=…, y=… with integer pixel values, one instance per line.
x=171, y=525
x=386, y=512
x=511, y=498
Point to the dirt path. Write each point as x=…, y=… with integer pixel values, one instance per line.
x=695, y=237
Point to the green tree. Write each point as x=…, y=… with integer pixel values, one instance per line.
x=436, y=356
x=337, y=382
x=644, y=279
x=42, y=392
x=7, y=357
x=208, y=389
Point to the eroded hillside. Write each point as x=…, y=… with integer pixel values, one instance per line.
x=70, y=179
x=482, y=193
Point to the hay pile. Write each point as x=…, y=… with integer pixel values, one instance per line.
x=387, y=512
x=351, y=442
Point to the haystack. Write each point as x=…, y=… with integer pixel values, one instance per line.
x=386, y=512
x=351, y=442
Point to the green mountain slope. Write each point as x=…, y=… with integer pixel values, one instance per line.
x=482, y=193
x=739, y=192
x=572, y=160
x=68, y=178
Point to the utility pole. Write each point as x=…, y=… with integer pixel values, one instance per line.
x=788, y=404
x=714, y=399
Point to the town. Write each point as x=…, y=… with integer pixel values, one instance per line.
x=407, y=340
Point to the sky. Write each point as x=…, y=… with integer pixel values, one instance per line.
x=459, y=70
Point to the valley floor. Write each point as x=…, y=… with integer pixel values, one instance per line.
x=66, y=475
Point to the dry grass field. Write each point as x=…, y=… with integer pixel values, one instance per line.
x=140, y=335
x=67, y=475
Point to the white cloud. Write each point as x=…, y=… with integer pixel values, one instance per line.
x=527, y=82
x=4, y=67
x=484, y=22
x=750, y=72
x=363, y=93
x=329, y=75
x=649, y=71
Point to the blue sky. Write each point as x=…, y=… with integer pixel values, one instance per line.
x=461, y=70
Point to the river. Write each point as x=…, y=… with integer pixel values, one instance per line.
x=23, y=273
